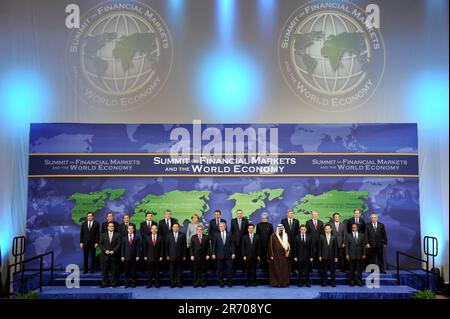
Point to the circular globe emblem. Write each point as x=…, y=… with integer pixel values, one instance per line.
x=330, y=56
x=121, y=56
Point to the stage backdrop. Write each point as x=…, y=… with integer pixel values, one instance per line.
x=127, y=169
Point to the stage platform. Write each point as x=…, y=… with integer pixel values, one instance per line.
x=235, y=292
x=90, y=288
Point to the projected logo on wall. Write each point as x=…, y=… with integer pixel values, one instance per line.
x=121, y=56
x=330, y=55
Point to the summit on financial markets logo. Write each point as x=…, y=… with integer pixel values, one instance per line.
x=331, y=54
x=120, y=56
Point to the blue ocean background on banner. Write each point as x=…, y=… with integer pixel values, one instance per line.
x=49, y=221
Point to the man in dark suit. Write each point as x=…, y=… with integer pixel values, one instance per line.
x=146, y=225
x=199, y=250
x=223, y=251
x=110, y=247
x=214, y=224
x=175, y=253
x=355, y=251
x=238, y=230
x=376, y=241
x=303, y=252
x=109, y=219
x=314, y=228
x=340, y=232
x=328, y=255
x=292, y=228
x=358, y=220
x=130, y=254
x=166, y=224
x=153, y=252
x=89, y=238
x=251, y=254
x=123, y=228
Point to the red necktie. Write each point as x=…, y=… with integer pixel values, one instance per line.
x=154, y=240
x=200, y=239
x=130, y=240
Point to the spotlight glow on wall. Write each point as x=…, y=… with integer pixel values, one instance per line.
x=428, y=100
x=229, y=85
x=226, y=11
x=24, y=97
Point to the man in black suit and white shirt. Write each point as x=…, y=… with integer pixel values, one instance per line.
x=314, y=227
x=376, y=241
x=199, y=250
x=214, y=224
x=130, y=254
x=291, y=226
x=89, y=238
x=251, y=254
x=223, y=251
x=328, y=255
x=109, y=219
x=238, y=230
x=153, y=252
x=358, y=220
x=166, y=224
x=340, y=232
x=175, y=254
x=146, y=225
x=355, y=250
x=303, y=255
x=123, y=228
x=110, y=247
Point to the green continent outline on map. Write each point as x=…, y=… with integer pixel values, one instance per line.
x=253, y=201
x=92, y=202
x=343, y=202
x=183, y=204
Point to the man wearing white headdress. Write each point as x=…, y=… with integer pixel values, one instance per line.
x=278, y=258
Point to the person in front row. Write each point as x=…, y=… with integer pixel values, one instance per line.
x=110, y=247
x=355, y=251
x=223, y=252
x=199, y=250
x=176, y=254
x=251, y=254
x=303, y=252
x=278, y=258
x=328, y=255
x=264, y=230
x=153, y=254
x=89, y=237
x=130, y=254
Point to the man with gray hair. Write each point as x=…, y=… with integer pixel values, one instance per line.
x=223, y=251
x=376, y=241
